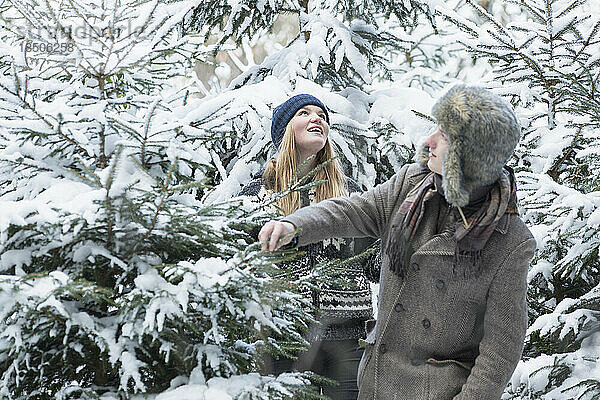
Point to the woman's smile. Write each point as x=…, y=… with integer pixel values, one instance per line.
x=310, y=130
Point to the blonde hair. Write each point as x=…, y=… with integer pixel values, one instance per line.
x=280, y=171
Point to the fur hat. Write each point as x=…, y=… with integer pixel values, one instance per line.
x=483, y=132
x=283, y=113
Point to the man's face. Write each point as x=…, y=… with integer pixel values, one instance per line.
x=438, y=145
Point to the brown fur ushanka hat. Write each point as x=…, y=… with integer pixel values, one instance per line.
x=483, y=132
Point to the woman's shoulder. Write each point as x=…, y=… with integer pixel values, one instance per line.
x=255, y=185
x=353, y=186
x=252, y=188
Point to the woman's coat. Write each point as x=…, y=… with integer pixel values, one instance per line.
x=344, y=303
x=439, y=335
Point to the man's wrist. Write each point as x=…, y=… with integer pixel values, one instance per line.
x=294, y=242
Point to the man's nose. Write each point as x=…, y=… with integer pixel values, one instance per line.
x=429, y=141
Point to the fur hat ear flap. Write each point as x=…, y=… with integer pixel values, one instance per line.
x=422, y=155
x=483, y=131
x=452, y=177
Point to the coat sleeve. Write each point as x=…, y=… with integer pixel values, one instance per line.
x=505, y=326
x=360, y=215
x=370, y=264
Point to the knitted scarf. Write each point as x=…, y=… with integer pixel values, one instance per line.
x=470, y=238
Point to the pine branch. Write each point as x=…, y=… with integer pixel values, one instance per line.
x=32, y=108
x=90, y=70
x=164, y=193
x=571, y=7
x=591, y=386
x=109, y=207
x=146, y=129
x=489, y=18
x=460, y=24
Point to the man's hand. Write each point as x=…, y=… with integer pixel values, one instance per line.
x=273, y=234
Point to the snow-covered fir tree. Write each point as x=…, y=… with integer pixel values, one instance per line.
x=125, y=272
x=116, y=280
x=546, y=60
x=342, y=50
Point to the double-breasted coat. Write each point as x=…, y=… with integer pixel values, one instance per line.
x=440, y=333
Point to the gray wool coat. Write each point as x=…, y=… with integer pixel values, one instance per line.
x=438, y=335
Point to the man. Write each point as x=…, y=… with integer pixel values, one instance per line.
x=452, y=311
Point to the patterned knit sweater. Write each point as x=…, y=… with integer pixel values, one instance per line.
x=344, y=303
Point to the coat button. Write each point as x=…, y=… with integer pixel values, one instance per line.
x=426, y=323
x=439, y=284
x=415, y=266
x=399, y=307
x=383, y=348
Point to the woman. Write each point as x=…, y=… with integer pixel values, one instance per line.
x=300, y=132
x=452, y=310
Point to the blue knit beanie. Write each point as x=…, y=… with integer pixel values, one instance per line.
x=283, y=113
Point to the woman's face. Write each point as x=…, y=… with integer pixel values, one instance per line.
x=310, y=130
x=438, y=145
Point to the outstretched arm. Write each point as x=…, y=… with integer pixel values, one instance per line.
x=359, y=215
